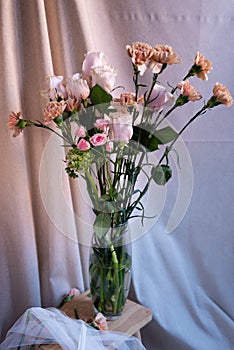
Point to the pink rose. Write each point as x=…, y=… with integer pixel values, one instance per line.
x=81, y=131
x=83, y=145
x=160, y=97
x=77, y=87
x=98, y=139
x=93, y=59
x=54, y=87
x=104, y=76
x=101, y=124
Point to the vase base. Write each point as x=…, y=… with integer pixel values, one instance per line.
x=112, y=318
x=109, y=317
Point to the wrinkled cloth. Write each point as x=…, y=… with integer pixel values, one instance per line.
x=38, y=326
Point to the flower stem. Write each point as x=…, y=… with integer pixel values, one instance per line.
x=168, y=149
x=40, y=125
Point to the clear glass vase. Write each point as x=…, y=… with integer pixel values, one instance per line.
x=110, y=271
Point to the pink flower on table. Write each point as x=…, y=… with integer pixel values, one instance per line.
x=77, y=87
x=98, y=139
x=102, y=124
x=100, y=322
x=92, y=59
x=54, y=87
x=74, y=291
x=81, y=131
x=222, y=94
x=104, y=76
x=160, y=98
x=83, y=145
x=188, y=90
x=53, y=110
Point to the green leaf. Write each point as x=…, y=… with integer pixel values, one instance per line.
x=150, y=139
x=161, y=174
x=145, y=138
x=102, y=224
x=165, y=135
x=99, y=96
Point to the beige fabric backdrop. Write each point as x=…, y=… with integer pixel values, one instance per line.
x=38, y=262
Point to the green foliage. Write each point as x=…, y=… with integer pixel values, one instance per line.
x=151, y=140
x=102, y=224
x=100, y=98
x=161, y=174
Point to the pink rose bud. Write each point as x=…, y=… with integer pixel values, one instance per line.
x=83, y=145
x=160, y=98
x=81, y=131
x=102, y=124
x=98, y=139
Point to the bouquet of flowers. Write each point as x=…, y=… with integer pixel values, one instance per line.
x=108, y=136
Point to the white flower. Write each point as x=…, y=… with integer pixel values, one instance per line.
x=104, y=76
x=77, y=87
x=54, y=87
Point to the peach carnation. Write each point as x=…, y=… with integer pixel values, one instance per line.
x=14, y=119
x=188, y=90
x=53, y=110
x=140, y=54
x=204, y=64
x=164, y=54
x=222, y=95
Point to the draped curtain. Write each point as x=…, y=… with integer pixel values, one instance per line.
x=185, y=277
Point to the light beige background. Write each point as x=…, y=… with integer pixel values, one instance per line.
x=186, y=278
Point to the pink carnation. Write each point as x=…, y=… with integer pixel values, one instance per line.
x=98, y=139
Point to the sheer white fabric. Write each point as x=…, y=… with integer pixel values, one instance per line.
x=186, y=278
x=41, y=327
